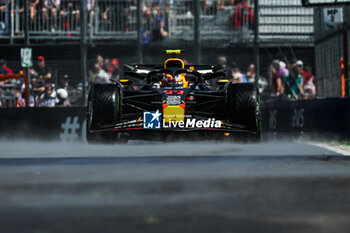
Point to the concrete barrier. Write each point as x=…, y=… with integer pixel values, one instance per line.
x=321, y=117
x=66, y=124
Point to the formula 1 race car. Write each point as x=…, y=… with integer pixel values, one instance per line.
x=172, y=101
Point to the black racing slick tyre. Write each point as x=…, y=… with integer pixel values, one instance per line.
x=103, y=109
x=243, y=108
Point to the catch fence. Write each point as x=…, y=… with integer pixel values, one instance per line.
x=221, y=20
x=331, y=46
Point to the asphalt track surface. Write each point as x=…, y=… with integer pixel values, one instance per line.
x=177, y=187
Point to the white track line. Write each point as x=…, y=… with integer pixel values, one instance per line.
x=332, y=148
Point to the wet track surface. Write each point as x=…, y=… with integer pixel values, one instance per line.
x=177, y=187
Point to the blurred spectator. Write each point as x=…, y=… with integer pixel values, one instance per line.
x=33, y=6
x=21, y=103
x=43, y=70
x=236, y=74
x=276, y=84
x=293, y=81
x=304, y=73
x=100, y=60
x=308, y=86
x=3, y=6
x=222, y=62
x=107, y=64
x=156, y=11
x=76, y=96
x=69, y=14
x=292, y=64
x=118, y=15
x=263, y=84
x=167, y=16
x=62, y=98
x=100, y=72
x=4, y=69
x=209, y=7
x=48, y=97
x=127, y=15
x=159, y=33
x=64, y=83
x=51, y=7
x=221, y=5
x=243, y=15
x=113, y=69
x=106, y=16
x=147, y=14
x=66, y=94
x=223, y=67
x=37, y=87
x=90, y=5
x=250, y=74
x=296, y=82
x=101, y=76
x=284, y=74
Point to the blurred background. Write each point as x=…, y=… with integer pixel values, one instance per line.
x=74, y=42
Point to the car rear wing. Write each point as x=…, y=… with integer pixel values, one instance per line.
x=146, y=68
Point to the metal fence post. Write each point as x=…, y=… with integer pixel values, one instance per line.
x=346, y=53
x=26, y=23
x=7, y=9
x=256, y=43
x=139, y=34
x=197, y=40
x=12, y=23
x=346, y=61
x=83, y=49
x=26, y=42
x=96, y=17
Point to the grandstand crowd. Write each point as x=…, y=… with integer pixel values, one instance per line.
x=292, y=81
x=112, y=15
x=45, y=91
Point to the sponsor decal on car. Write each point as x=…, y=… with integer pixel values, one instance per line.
x=173, y=100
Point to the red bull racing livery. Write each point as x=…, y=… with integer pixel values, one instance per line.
x=172, y=100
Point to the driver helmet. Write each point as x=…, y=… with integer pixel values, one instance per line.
x=168, y=79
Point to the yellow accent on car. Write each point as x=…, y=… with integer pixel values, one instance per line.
x=172, y=51
x=173, y=113
x=223, y=80
x=123, y=80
